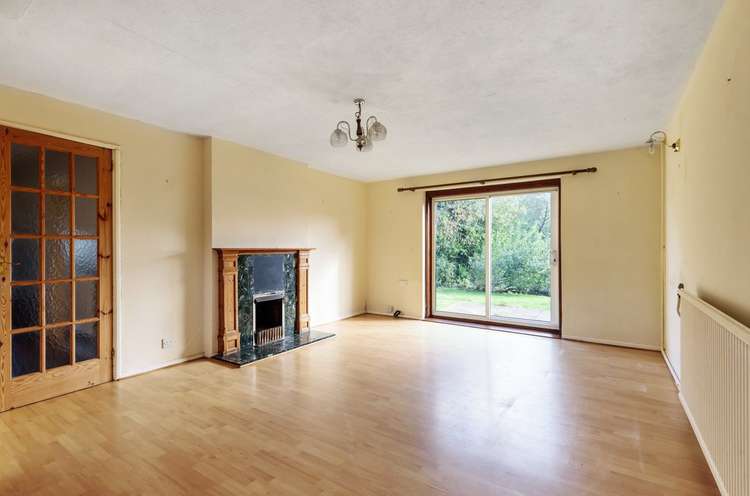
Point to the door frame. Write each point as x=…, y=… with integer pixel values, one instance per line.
x=458, y=193
x=116, y=249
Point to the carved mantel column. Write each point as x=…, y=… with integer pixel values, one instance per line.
x=303, y=277
x=229, y=333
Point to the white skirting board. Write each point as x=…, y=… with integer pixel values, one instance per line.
x=612, y=342
x=160, y=366
x=609, y=342
x=671, y=370
x=386, y=314
x=355, y=314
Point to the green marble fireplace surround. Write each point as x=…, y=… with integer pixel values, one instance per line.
x=246, y=292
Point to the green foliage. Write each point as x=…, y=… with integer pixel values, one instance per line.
x=520, y=244
x=460, y=245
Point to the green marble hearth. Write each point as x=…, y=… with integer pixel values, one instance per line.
x=249, y=354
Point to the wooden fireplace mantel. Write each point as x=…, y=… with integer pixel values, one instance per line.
x=229, y=332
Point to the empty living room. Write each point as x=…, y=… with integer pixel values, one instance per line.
x=374, y=248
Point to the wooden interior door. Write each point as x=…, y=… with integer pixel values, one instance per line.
x=55, y=266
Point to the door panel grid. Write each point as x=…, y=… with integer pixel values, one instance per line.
x=58, y=216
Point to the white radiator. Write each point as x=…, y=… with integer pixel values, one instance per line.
x=715, y=390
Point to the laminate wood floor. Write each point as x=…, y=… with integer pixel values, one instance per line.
x=386, y=407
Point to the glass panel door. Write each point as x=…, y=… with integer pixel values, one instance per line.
x=460, y=256
x=495, y=256
x=55, y=217
x=524, y=258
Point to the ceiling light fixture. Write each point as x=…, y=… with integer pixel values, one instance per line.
x=364, y=137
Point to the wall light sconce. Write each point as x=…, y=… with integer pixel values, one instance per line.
x=657, y=138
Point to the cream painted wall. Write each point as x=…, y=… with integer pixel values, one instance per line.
x=182, y=195
x=611, y=262
x=161, y=224
x=261, y=200
x=707, y=209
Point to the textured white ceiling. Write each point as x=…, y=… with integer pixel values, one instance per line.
x=459, y=84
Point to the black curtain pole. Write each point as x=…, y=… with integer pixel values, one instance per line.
x=571, y=172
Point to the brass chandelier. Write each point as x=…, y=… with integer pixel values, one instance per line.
x=363, y=138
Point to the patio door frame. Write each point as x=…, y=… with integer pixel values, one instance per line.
x=487, y=192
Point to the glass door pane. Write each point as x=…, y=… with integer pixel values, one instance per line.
x=459, y=258
x=522, y=263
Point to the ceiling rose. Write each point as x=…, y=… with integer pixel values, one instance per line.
x=364, y=137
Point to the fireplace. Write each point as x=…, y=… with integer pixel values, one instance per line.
x=246, y=273
x=263, y=303
x=268, y=317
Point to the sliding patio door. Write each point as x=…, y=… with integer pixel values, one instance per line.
x=494, y=255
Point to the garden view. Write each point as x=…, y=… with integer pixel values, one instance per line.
x=520, y=256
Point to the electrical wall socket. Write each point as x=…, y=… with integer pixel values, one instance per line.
x=166, y=343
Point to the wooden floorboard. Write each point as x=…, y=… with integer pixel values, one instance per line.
x=386, y=407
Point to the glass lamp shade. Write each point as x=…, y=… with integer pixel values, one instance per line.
x=377, y=131
x=339, y=138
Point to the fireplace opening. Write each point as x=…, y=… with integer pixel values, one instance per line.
x=268, y=317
